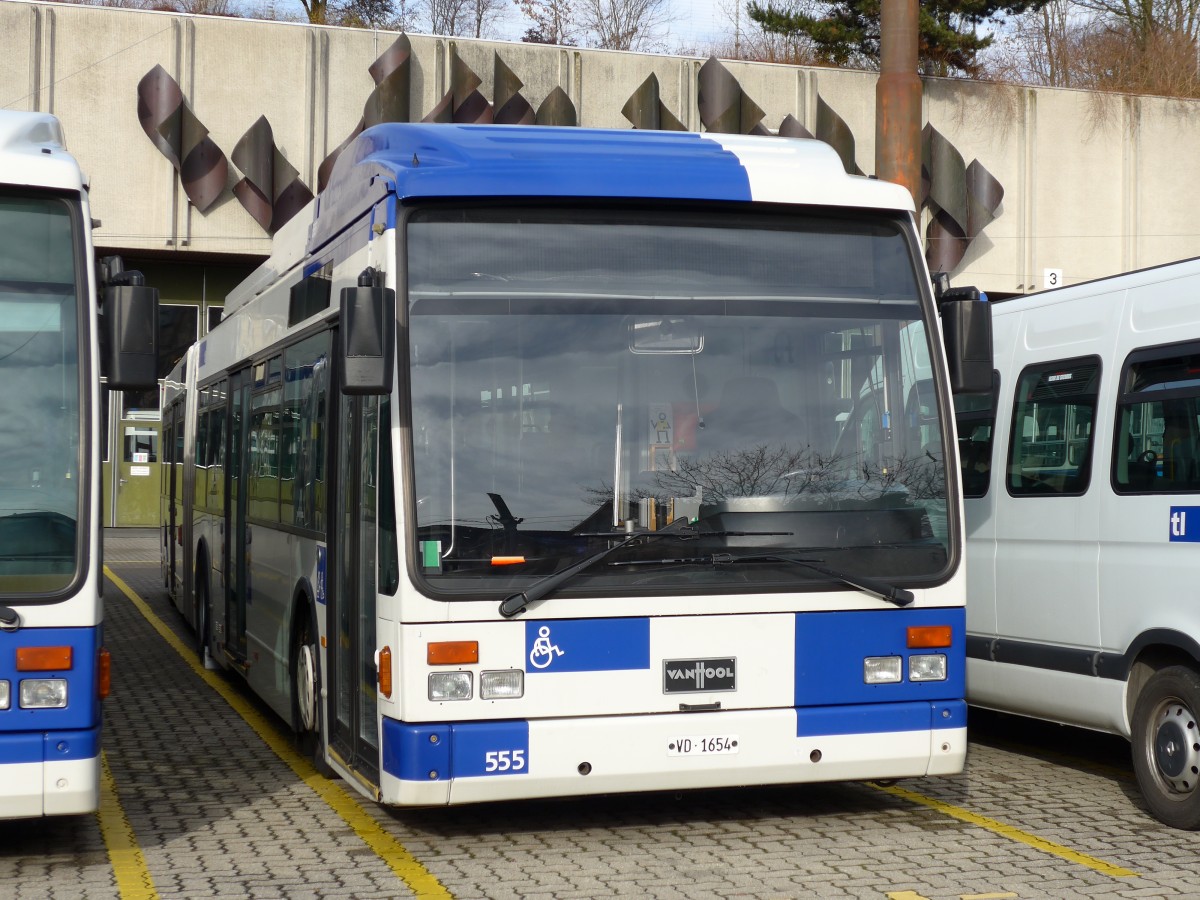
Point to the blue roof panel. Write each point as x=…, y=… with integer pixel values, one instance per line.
x=427, y=161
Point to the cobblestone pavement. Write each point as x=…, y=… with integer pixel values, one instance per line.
x=215, y=812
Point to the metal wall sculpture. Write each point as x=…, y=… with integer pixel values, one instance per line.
x=647, y=112
x=271, y=189
x=833, y=130
x=388, y=101
x=174, y=129
x=724, y=107
x=510, y=108
x=961, y=200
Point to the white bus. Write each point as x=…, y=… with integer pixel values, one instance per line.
x=653, y=493
x=54, y=670
x=1082, y=476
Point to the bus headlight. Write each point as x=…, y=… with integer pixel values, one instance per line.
x=882, y=669
x=5, y=694
x=43, y=693
x=506, y=684
x=449, y=686
x=927, y=667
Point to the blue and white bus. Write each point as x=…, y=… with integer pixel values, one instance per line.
x=544, y=462
x=54, y=669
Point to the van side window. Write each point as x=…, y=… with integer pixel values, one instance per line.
x=1155, y=447
x=975, y=416
x=1050, y=442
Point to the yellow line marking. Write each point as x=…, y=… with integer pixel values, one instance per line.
x=1010, y=832
x=333, y=792
x=134, y=881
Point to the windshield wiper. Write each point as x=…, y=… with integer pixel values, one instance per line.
x=680, y=529
x=882, y=590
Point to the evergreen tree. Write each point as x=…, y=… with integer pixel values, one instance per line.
x=846, y=32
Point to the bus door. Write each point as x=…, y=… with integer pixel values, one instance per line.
x=237, y=549
x=352, y=676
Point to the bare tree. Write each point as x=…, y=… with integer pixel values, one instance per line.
x=552, y=21
x=1143, y=20
x=460, y=18
x=485, y=14
x=1068, y=45
x=625, y=24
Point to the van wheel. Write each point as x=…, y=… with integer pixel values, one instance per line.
x=1166, y=746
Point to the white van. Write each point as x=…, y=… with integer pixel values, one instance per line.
x=1082, y=478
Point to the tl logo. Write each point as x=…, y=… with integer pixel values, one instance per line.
x=1185, y=524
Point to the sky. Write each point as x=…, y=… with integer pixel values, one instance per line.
x=694, y=24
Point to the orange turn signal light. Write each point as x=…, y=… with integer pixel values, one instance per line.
x=452, y=653
x=104, y=674
x=385, y=672
x=929, y=636
x=43, y=659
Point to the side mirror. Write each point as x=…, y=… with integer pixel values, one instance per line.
x=368, y=331
x=130, y=323
x=967, y=332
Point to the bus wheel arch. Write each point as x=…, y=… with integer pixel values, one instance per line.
x=1166, y=745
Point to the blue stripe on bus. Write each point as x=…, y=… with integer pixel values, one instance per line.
x=831, y=647
x=83, y=706
x=459, y=750
x=586, y=645
x=51, y=746
x=880, y=718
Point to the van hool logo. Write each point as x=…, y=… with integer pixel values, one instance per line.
x=684, y=676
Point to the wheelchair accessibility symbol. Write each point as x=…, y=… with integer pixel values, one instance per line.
x=543, y=651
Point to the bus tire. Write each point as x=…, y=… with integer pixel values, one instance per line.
x=306, y=688
x=1166, y=746
x=203, y=612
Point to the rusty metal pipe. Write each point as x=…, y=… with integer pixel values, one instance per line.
x=898, y=98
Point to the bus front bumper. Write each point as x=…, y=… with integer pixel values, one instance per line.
x=469, y=762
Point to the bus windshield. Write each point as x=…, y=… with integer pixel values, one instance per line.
x=579, y=374
x=40, y=399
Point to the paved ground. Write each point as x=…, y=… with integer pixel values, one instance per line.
x=212, y=810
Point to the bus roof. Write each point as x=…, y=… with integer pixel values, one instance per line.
x=33, y=152
x=425, y=161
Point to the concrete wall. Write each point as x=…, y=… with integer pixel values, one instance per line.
x=1093, y=184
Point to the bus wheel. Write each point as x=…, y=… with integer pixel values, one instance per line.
x=1166, y=746
x=306, y=687
x=202, y=617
